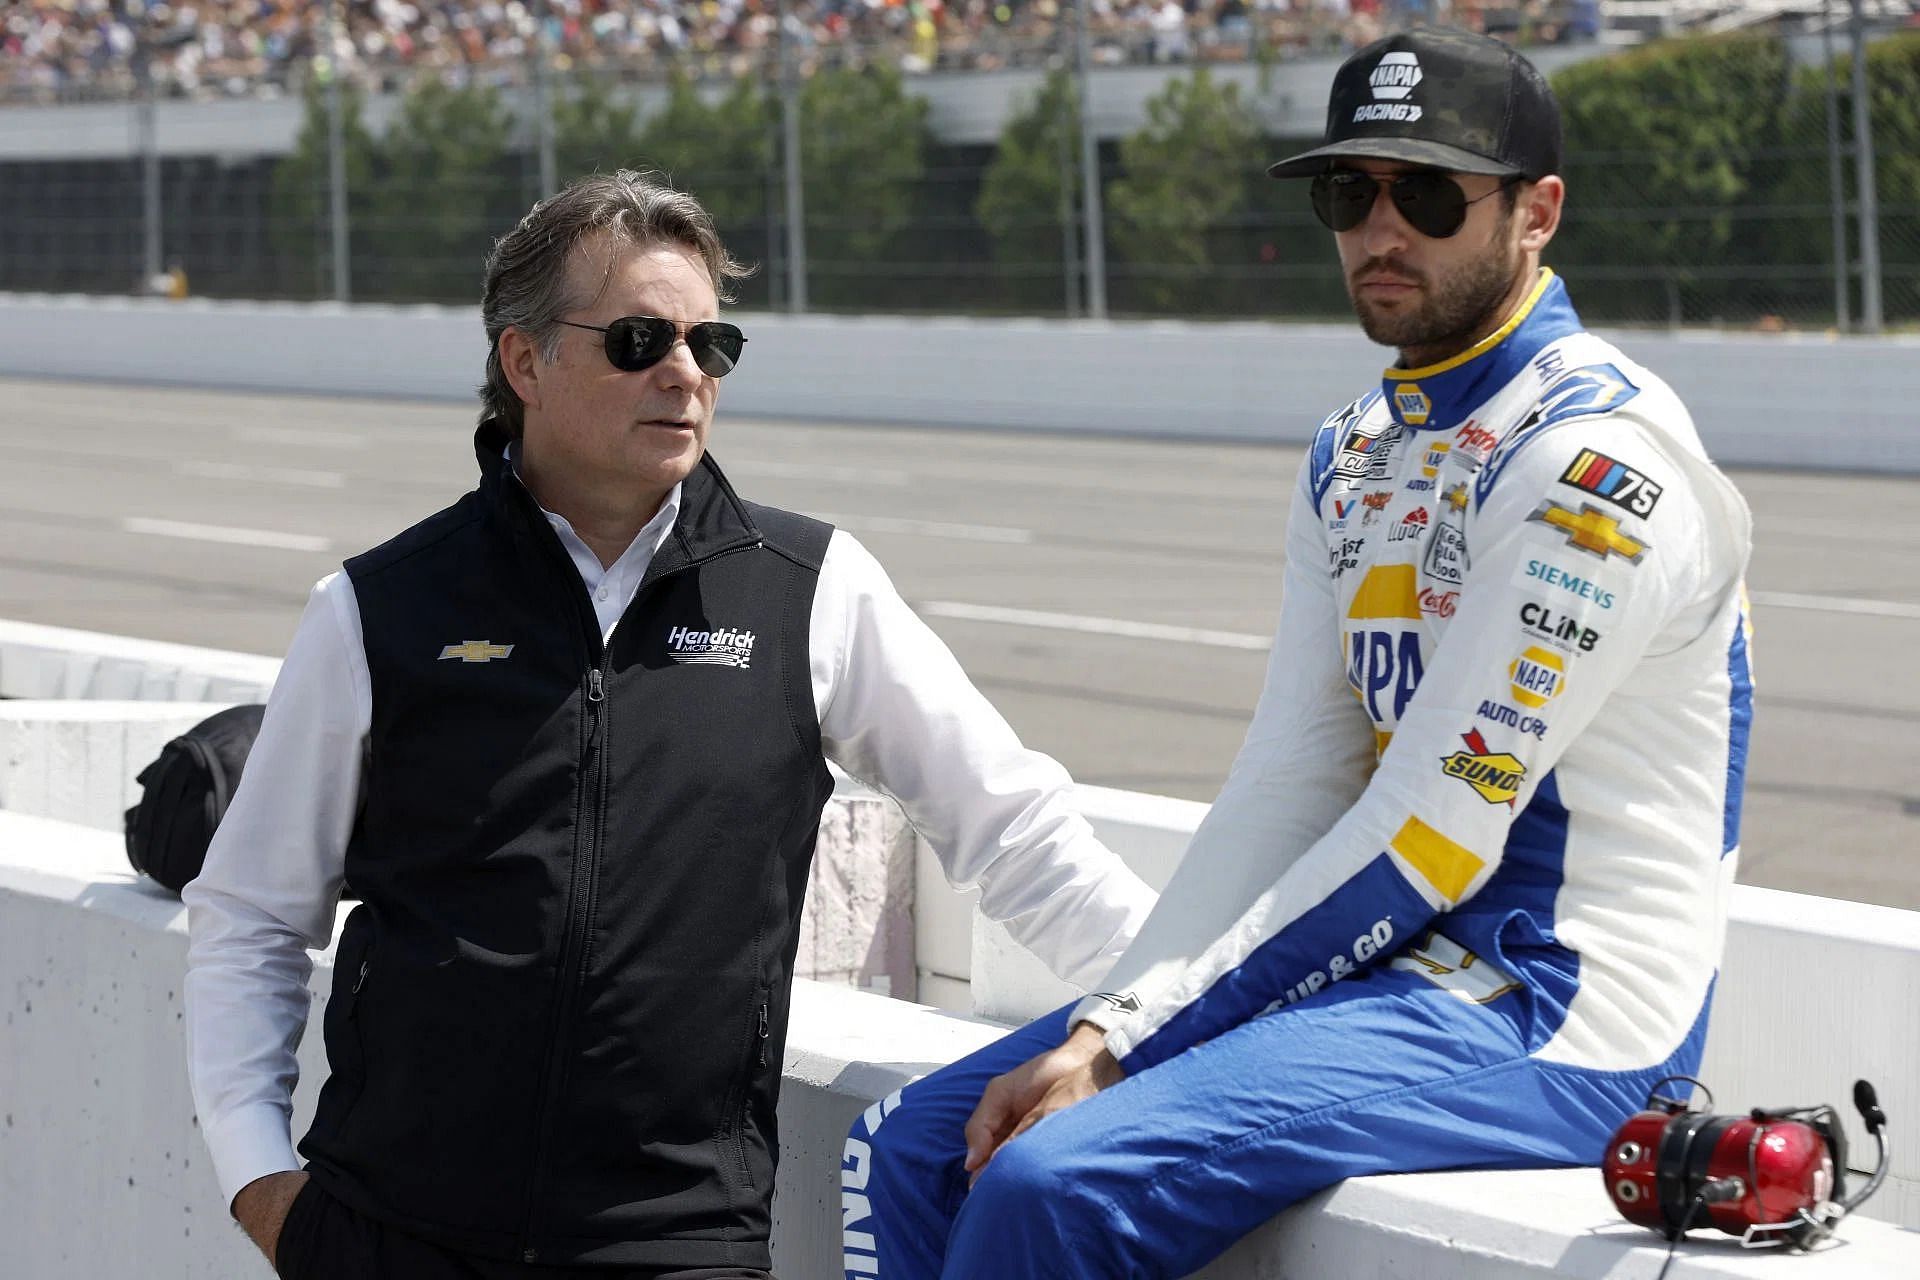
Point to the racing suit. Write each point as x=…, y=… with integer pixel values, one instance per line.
x=1462, y=897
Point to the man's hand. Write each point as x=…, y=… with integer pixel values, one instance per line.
x=1046, y=1083
x=261, y=1208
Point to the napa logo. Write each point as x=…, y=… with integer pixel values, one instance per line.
x=1411, y=403
x=1383, y=657
x=1435, y=459
x=1395, y=75
x=1538, y=677
x=1392, y=81
x=1495, y=775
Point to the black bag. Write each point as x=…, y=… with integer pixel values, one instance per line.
x=186, y=793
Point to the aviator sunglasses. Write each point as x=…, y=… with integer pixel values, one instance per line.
x=1431, y=201
x=634, y=343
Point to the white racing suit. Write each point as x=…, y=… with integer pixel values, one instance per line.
x=1462, y=897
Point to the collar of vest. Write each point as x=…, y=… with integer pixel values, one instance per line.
x=1438, y=397
x=712, y=517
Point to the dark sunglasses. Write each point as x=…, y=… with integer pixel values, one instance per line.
x=1432, y=202
x=634, y=343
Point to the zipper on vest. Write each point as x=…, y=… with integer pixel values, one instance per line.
x=571, y=971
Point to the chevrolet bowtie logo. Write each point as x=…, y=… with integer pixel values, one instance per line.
x=1592, y=531
x=475, y=651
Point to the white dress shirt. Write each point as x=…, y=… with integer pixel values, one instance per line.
x=895, y=710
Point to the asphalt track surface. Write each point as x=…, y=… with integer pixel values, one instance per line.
x=1113, y=597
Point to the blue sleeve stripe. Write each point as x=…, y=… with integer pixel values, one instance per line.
x=1740, y=725
x=1370, y=916
x=1320, y=469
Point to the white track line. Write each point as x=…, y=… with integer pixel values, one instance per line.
x=1836, y=604
x=1094, y=626
x=227, y=534
x=262, y=475
x=928, y=528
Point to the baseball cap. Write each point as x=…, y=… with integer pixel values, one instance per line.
x=1442, y=97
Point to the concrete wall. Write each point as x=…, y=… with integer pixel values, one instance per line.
x=97, y=1125
x=1781, y=400
x=103, y=1173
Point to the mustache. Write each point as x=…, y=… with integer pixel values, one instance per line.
x=1389, y=267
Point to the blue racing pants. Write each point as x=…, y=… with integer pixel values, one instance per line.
x=1156, y=1176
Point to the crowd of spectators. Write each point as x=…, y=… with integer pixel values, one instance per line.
x=66, y=50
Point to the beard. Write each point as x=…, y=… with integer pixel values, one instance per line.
x=1457, y=307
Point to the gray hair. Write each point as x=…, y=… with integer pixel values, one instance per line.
x=529, y=286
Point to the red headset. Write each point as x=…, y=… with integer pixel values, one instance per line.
x=1772, y=1177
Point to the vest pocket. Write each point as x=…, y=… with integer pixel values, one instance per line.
x=346, y=1034
x=733, y=1122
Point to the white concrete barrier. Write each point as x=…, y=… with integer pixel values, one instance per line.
x=95, y=1086
x=1759, y=399
x=103, y=1174
x=76, y=761
x=60, y=662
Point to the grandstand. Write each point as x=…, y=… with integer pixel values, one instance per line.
x=82, y=50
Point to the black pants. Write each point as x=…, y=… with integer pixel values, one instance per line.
x=323, y=1239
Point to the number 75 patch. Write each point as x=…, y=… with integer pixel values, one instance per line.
x=1618, y=483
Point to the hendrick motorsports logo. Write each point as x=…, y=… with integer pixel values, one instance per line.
x=1496, y=775
x=1392, y=81
x=725, y=647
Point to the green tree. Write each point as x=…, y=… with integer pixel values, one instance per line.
x=863, y=152
x=301, y=200
x=1801, y=235
x=721, y=152
x=595, y=131
x=1181, y=206
x=1665, y=148
x=1030, y=187
x=447, y=191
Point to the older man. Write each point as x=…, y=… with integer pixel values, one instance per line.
x=567, y=740
x=1461, y=899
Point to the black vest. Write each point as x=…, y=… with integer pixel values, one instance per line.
x=557, y=1017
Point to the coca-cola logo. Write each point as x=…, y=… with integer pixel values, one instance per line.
x=1439, y=604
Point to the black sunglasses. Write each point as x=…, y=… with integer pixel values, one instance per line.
x=634, y=343
x=1432, y=202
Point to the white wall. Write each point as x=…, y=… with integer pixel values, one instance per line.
x=103, y=1173
x=1760, y=400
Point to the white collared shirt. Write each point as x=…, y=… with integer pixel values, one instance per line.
x=895, y=710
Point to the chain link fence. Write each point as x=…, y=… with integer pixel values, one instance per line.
x=1712, y=180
